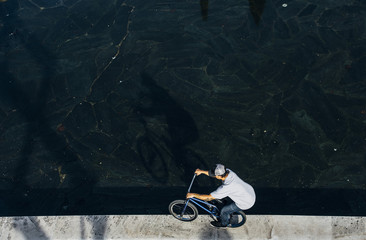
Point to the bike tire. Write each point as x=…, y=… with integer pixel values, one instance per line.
x=238, y=219
x=176, y=207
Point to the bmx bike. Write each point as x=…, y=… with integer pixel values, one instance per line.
x=186, y=211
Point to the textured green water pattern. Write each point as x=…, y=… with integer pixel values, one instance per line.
x=102, y=99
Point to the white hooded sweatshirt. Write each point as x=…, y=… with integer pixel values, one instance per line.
x=239, y=191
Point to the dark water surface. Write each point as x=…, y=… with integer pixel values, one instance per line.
x=107, y=107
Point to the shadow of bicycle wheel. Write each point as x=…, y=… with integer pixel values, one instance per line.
x=153, y=159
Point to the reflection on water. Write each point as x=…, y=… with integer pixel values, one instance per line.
x=100, y=97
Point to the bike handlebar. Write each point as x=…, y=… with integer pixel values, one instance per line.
x=194, y=176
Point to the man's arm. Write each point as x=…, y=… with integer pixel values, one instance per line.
x=199, y=172
x=208, y=173
x=200, y=196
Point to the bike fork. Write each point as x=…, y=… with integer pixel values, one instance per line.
x=185, y=206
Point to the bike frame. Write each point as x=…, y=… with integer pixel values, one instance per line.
x=197, y=202
x=215, y=211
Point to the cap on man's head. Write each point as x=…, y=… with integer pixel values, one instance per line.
x=219, y=170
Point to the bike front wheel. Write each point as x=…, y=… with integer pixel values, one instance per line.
x=237, y=219
x=176, y=208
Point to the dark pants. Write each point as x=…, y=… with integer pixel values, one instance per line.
x=226, y=211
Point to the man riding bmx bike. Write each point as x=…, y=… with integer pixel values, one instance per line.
x=236, y=189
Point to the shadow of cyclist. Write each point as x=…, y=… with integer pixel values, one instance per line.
x=181, y=128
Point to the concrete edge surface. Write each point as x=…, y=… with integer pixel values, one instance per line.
x=167, y=227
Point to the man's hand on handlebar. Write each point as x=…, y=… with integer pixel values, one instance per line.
x=199, y=172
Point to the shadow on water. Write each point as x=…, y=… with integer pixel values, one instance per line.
x=204, y=9
x=256, y=9
x=31, y=106
x=157, y=147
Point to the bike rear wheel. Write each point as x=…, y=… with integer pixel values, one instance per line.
x=176, y=209
x=237, y=219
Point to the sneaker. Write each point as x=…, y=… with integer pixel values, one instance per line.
x=217, y=224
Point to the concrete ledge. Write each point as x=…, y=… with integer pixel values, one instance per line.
x=166, y=227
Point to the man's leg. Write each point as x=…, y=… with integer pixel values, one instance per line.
x=226, y=211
